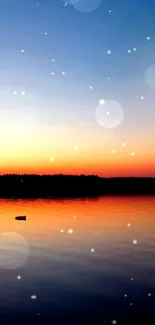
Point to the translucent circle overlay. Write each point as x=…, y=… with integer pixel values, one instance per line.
x=150, y=76
x=14, y=250
x=85, y=5
x=109, y=114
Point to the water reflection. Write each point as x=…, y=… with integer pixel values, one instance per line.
x=65, y=274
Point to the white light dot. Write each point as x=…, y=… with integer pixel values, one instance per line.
x=108, y=52
x=131, y=279
x=70, y=231
x=63, y=73
x=148, y=38
x=149, y=294
x=52, y=159
x=22, y=50
x=114, y=322
x=65, y=4
x=74, y=217
x=53, y=73
x=129, y=51
x=110, y=10
x=19, y=277
x=45, y=33
x=108, y=113
x=142, y=97
x=132, y=154
x=124, y=144
x=62, y=231
x=75, y=148
x=125, y=295
x=92, y=250
x=113, y=151
x=101, y=101
x=130, y=303
x=108, y=78
x=23, y=93
x=90, y=87
x=135, y=241
x=15, y=92
x=129, y=224
x=53, y=60
x=34, y=297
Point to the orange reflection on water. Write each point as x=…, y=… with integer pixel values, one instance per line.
x=106, y=215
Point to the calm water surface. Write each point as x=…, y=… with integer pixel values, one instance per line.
x=93, y=274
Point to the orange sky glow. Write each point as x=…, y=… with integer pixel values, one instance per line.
x=75, y=151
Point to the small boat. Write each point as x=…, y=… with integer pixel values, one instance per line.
x=21, y=218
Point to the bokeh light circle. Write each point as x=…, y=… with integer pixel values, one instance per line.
x=150, y=76
x=109, y=114
x=14, y=250
x=86, y=5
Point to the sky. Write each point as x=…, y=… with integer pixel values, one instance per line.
x=77, y=87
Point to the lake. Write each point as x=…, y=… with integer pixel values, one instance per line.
x=78, y=261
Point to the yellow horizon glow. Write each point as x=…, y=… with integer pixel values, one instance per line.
x=74, y=151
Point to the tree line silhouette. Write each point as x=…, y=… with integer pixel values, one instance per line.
x=41, y=186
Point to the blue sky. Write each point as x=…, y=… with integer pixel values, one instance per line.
x=78, y=42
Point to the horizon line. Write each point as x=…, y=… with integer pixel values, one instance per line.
x=80, y=175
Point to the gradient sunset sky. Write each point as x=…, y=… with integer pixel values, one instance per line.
x=77, y=87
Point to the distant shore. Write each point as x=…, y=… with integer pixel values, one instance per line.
x=44, y=186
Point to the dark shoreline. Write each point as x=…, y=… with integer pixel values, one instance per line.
x=70, y=186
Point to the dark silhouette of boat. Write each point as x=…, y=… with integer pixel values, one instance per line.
x=21, y=218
